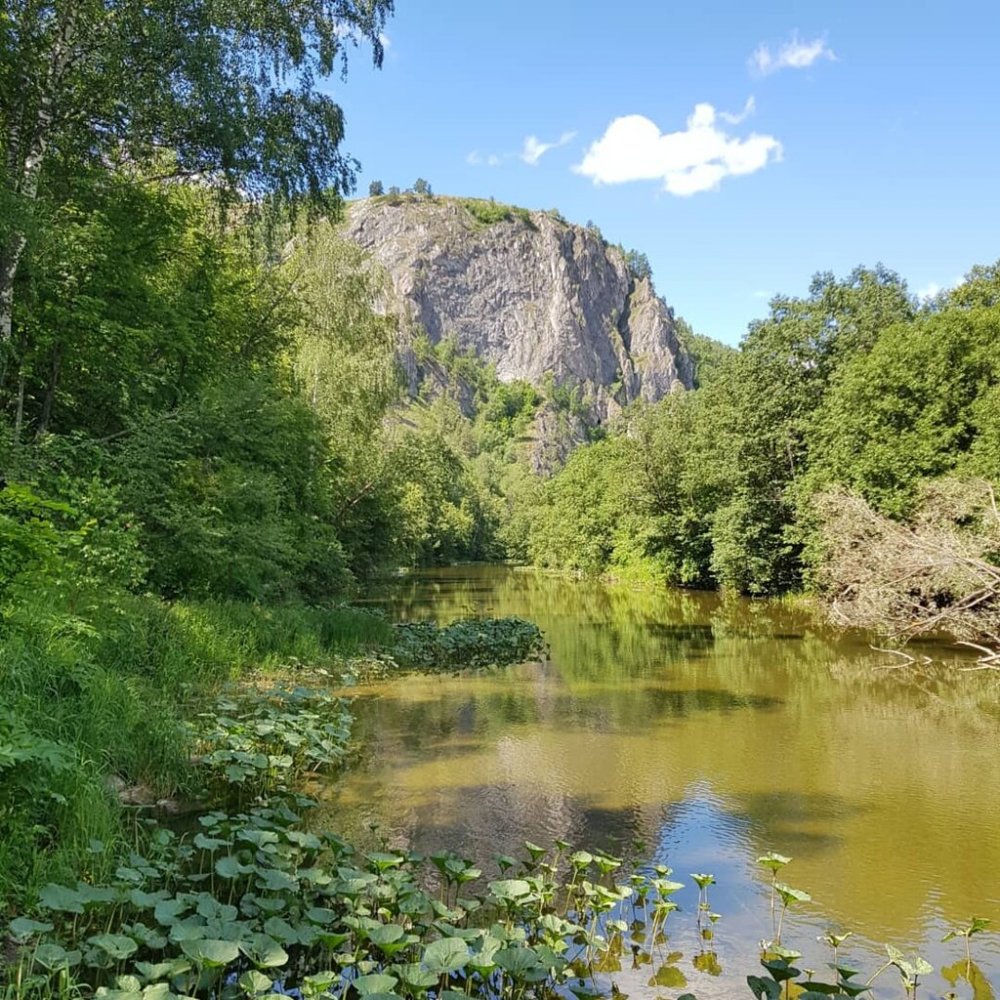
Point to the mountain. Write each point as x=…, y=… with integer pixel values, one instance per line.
x=526, y=291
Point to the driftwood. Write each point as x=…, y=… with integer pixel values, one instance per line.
x=938, y=572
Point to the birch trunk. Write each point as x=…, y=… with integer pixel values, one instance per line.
x=24, y=168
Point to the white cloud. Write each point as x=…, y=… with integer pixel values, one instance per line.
x=794, y=54
x=696, y=159
x=534, y=149
x=932, y=289
x=734, y=119
x=385, y=40
x=477, y=159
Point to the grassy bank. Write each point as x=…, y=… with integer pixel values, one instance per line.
x=95, y=692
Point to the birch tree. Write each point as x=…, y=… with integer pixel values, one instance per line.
x=226, y=91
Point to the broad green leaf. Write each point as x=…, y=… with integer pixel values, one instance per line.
x=211, y=953
x=445, y=956
x=416, y=976
x=117, y=946
x=254, y=982
x=510, y=888
x=377, y=982
x=764, y=989
x=264, y=952
x=773, y=861
x=22, y=928
x=230, y=867
x=789, y=895
x=517, y=961
x=61, y=899
x=51, y=956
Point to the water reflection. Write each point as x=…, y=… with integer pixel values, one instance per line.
x=709, y=731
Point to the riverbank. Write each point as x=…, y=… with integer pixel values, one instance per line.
x=270, y=886
x=97, y=694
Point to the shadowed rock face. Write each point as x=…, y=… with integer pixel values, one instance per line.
x=530, y=294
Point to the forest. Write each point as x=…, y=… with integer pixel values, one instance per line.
x=207, y=448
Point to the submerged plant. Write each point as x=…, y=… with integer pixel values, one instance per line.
x=976, y=925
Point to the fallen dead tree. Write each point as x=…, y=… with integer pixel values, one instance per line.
x=937, y=572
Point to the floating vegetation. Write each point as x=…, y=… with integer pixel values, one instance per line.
x=472, y=643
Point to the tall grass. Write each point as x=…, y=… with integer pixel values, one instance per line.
x=95, y=690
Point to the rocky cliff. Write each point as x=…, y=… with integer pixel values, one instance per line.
x=527, y=292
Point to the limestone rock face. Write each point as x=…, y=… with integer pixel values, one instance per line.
x=529, y=293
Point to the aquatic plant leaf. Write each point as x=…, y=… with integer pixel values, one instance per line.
x=211, y=953
x=445, y=956
x=383, y=861
x=264, y=952
x=158, y=991
x=377, y=982
x=510, y=888
x=318, y=982
x=773, y=861
x=277, y=881
x=118, y=946
x=281, y=930
x=416, y=976
x=22, y=928
x=389, y=937
x=51, y=956
x=204, y=843
x=517, y=961
x=254, y=982
x=61, y=898
x=764, y=989
x=780, y=969
x=168, y=969
x=230, y=867
x=789, y=895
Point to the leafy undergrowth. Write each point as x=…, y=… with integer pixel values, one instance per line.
x=254, y=902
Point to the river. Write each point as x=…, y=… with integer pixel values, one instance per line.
x=702, y=733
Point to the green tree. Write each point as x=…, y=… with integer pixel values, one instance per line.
x=920, y=404
x=765, y=401
x=227, y=93
x=375, y=189
x=131, y=300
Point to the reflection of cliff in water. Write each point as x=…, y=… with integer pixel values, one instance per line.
x=883, y=783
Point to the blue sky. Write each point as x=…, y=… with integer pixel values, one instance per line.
x=742, y=147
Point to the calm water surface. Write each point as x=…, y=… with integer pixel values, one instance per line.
x=701, y=734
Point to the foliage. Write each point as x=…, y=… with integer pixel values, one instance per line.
x=256, y=901
x=489, y=213
x=254, y=745
x=90, y=74
x=848, y=388
x=476, y=642
x=638, y=266
x=131, y=300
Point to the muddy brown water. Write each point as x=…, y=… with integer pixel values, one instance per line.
x=702, y=733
